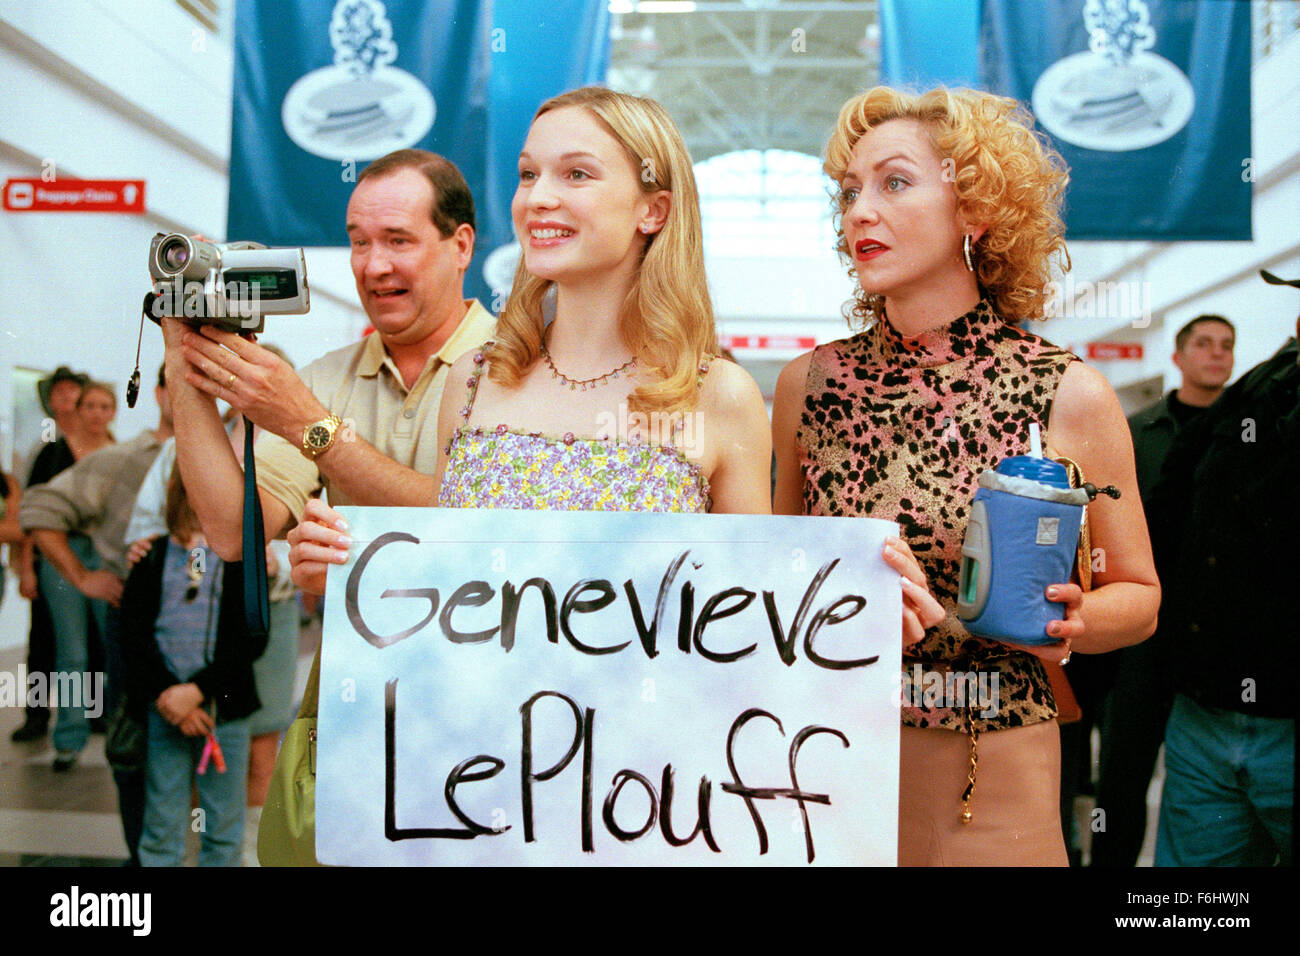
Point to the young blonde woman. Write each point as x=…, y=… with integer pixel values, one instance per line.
x=619, y=403
x=949, y=214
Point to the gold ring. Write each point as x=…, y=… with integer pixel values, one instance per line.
x=230, y=386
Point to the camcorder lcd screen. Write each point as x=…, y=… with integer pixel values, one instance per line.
x=268, y=283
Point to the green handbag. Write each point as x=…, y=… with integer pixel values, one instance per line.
x=287, y=835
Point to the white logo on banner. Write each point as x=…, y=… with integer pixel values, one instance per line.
x=360, y=107
x=1118, y=96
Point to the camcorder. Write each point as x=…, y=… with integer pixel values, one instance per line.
x=230, y=285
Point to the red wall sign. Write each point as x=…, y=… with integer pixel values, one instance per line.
x=767, y=341
x=1109, y=351
x=74, y=195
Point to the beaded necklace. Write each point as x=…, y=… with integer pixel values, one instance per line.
x=573, y=383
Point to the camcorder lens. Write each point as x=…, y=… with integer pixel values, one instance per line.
x=175, y=255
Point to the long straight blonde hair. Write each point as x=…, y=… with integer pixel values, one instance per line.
x=667, y=317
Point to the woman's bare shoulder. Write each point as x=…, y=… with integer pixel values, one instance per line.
x=1087, y=422
x=728, y=388
x=1082, y=395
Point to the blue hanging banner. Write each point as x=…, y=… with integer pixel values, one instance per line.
x=929, y=43
x=538, y=51
x=1148, y=102
x=322, y=87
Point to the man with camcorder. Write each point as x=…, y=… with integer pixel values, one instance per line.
x=360, y=422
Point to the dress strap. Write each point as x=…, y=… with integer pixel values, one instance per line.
x=679, y=421
x=705, y=361
x=480, y=359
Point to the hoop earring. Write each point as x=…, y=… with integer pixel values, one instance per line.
x=965, y=251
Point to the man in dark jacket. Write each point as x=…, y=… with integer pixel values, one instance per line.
x=1137, y=707
x=1224, y=523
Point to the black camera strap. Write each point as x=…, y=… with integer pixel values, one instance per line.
x=256, y=604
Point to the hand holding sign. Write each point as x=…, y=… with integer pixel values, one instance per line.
x=317, y=541
x=920, y=609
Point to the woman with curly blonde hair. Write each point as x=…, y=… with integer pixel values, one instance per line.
x=949, y=213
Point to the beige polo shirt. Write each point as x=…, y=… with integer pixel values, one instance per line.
x=361, y=385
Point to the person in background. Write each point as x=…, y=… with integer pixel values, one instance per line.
x=1137, y=707
x=96, y=409
x=95, y=497
x=1225, y=522
x=189, y=667
x=275, y=669
x=58, y=394
x=11, y=496
x=77, y=615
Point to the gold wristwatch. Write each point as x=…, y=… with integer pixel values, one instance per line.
x=319, y=436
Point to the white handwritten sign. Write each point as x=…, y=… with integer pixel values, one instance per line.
x=507, y=687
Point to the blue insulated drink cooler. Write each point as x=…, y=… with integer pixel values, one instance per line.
x=1022, y=536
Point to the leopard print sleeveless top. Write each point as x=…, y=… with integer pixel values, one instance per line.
x=900, y=428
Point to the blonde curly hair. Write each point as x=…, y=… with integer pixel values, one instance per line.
x=667, y=317
x=1007, y=177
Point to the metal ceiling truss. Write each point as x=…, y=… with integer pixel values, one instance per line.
x=749, y=74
